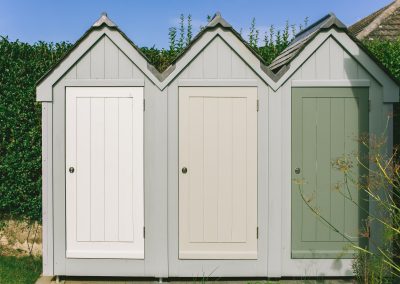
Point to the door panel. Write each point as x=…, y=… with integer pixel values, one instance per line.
x=218, y=194
x=104, y=193
x=327, y=124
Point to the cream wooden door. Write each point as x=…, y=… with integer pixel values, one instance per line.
x=104, y=172
x=218, y=173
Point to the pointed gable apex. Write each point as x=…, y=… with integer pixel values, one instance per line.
x=102, y=27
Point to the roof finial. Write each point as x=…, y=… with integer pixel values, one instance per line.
x=104, y=19
x=218, y=20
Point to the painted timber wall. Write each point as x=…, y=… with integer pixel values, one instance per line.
x=329, y=66
x=217, y=60
x=104, y=64
x=217, y=65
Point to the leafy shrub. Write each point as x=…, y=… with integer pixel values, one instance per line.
x=388, y=53
x=21, y=66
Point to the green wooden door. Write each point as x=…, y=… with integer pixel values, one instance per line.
x=327, y=124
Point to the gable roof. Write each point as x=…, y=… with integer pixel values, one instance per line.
x=303, y=38
x=103, y=22
x=307, y=41
x=282, y=63
x=382, y=24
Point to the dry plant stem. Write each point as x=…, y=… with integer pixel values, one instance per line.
x=323, y=218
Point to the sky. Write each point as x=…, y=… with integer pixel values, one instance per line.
x=146, y=22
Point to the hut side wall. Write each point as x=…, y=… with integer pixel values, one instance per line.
x=330, y=62
x=216, y=65
x=105, y=64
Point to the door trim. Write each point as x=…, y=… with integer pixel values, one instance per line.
x=218, y=268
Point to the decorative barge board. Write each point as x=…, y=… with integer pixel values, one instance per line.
x=189, y=172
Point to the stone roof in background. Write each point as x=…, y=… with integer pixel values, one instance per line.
x=382, y=24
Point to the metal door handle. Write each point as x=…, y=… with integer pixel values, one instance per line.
x=297, y=171
x=184, y=170
x=71, y=170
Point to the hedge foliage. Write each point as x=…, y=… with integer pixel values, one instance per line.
x=22, y=64
x=387, y=52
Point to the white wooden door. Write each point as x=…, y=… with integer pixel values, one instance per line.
x=218, y=173
x=104, y=172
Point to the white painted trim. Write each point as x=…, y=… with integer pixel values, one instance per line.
x=218, y=83
x=118, y=254
x=331, y=83
x=47, y=193
x=104, y=83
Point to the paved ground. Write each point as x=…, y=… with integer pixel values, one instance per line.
x=89, y=280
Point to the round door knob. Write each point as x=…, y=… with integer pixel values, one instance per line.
x=297, y=171
x=184, y=170
x=71, y=170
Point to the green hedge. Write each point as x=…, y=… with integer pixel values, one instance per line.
x=21, y=65
x=388, y=52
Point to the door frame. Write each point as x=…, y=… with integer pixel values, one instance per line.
x=155, y=263
x=103, y=249
x=217, y=268
x=295, y=267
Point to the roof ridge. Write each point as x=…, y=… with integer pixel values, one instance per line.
x=385, y=12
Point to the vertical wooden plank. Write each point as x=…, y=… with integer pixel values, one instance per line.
x=337, y=178
x=238, y=67
x=125, y=155
x=224, y=60
x=83, y=67
x=210, y=59
x=211, y=129
x=351, y=149
x=308, y=70
x=137, y=173
x=309, y=106
x=349, y=66
x=97, y=169
x=111, y=59
x=195, y=69
x=125, y=69
x=196, y=175
x=47, y=189
x=111, y=171
x=83, y=186
x=336, y=56
x=97, y=60
x=322, y=61
x=225, y=169
x=323, y=183
x=239, y=163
